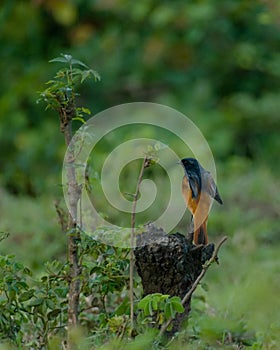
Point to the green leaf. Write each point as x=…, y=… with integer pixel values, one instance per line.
x=123, y=308
x=26, y=295
x=96, y=75
x=173, y=312
x=80, y=63
x=12, y=295
x=50, y=304
x=4, y=235
x=80, y=119
x=53, y=314
x=27, y=271
x=88, y=73
x=62, y=59
x=160, y=318
x=177, y=304
x=86, y=110
x=146, y=309
x=169, y=328
x=83, y=110
x=167, y=311
x=151, y=311
x=178, y=307
x=36, y=302
x=155, y=304
x=44, y=278
x=68, y=59
x=58, y=59
x=142, y=303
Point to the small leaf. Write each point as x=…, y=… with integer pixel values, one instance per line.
x=151, y=311
x=169, y=328
x=142, y=303
x=155, y=304
x=178, y=307
x=80, y=63
x=50, y=304
x=123, y=308
x=167, y=311
x=96, y=75
x=36, y=302
x=44, y=278
x=67, y=57
x=80, y=119
x=53, y=313
x=61, y=292
x=146, y=309
x=27, y=271
x=173, y=313
x=86, y=74
x=26, y=295
x=86, y=110
x=160, y=318
x=63, y=59
x=4, y=235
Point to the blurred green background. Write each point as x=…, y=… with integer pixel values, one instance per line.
x=218, y=62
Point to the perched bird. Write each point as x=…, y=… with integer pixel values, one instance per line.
x=198, y=189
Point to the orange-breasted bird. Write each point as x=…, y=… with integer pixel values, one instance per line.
x=198, y=189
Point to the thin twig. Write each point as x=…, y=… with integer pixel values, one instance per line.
x=145, y=164
x=188, y=295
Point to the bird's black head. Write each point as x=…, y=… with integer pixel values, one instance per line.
x=190, y=165
x=192, y=171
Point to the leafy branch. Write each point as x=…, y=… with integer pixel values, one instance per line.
x=61, y=89
x=61, y=96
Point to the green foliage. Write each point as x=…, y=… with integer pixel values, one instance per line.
x=14, y=292
x=31, y=310
x=158, y=308
x=62, y=88
x=34, y=310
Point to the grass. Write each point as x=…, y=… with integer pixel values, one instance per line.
x=34, y=232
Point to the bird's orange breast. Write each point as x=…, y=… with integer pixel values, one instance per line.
x=191, y=202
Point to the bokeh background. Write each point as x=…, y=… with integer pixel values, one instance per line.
x=218, y=62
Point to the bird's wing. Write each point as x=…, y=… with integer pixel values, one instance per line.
x=194, y=185
x=209, y=184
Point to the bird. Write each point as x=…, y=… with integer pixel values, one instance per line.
x=199, y=190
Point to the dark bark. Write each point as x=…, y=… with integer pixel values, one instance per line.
x=169, y=264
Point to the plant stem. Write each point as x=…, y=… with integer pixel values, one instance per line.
x=132, y=238
x=66, y=114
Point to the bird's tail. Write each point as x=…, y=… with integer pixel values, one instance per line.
x=200, y=235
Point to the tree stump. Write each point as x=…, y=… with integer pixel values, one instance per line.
x=169, y=264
